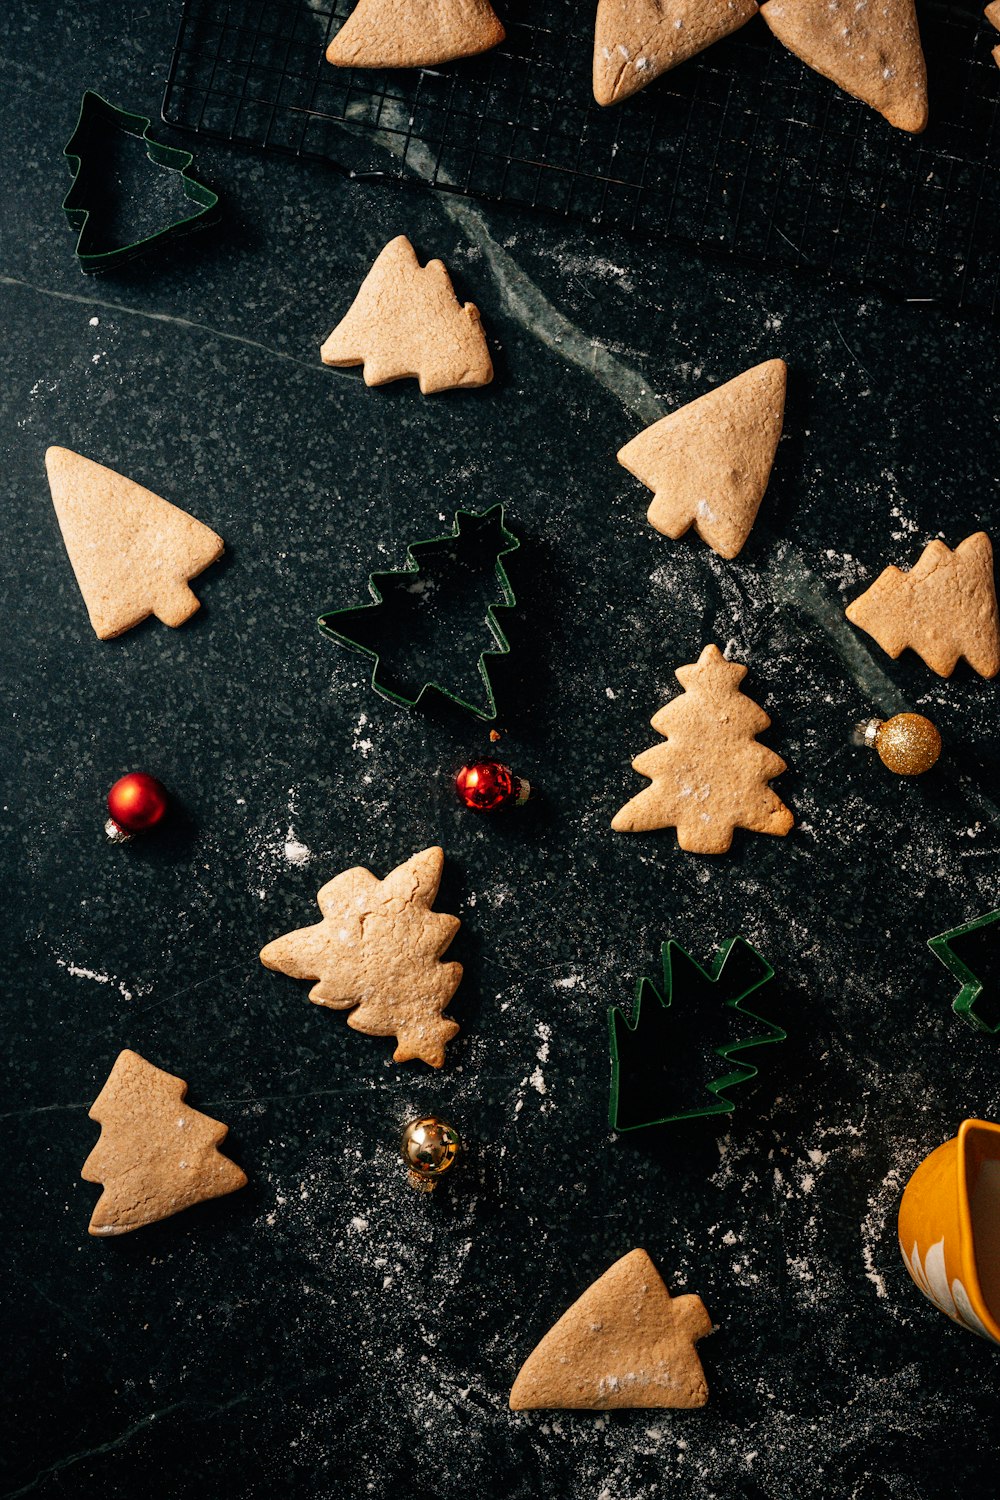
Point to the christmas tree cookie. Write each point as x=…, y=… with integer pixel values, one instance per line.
x=944, y=608
x=708, y=463
x=406, y=321
x=414, y=33
x=992, y=14
x=637, y=40
x=711, y=776
x=377, y=952
x=871, y=50
x=625, y=1343
x=156, y=1155
x=133, y=553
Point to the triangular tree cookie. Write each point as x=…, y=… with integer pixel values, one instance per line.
x=871, y=50
x=156, y=1155
x=378, y=948
x=132, y=552
x=414, y=33
x=711, y=776
x=407, y=321
x=944, y=608
x=625, y=1342
x=709, y=462
x=637, y=40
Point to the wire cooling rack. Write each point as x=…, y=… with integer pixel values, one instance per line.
x=742, y=150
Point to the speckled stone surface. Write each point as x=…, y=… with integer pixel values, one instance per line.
x=328, y=1332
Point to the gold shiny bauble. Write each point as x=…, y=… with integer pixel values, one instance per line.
x=429, y=1148
x=908, y=744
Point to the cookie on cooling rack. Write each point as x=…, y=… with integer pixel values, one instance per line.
x=414, y=33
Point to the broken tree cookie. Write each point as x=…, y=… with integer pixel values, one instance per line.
x=414, y=33
x=637, y=40
x=944, y=608
x=711, y=776
x=377, y=952
x=708, y=463
x=406, y=321
x=133, y=553
x=625, y=1343
x=871, y=50
x=156, y=1155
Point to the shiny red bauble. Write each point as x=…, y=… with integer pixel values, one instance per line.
x=488, y=785
x=136, y=803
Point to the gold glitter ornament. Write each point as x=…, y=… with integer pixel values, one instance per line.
x=429, y=1148
x=907, y=744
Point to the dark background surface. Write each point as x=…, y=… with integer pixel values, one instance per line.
x=327, y=1332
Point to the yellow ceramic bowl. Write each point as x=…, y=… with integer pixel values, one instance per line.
x=949, y=1228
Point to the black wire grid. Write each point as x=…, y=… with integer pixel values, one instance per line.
x=742, y=150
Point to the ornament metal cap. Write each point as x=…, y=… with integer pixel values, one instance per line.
x=429, y=1147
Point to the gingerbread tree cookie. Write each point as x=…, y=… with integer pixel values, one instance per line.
x=414, y=33
x=156, y=1155
x=625, y=1343
x=871, y=50
x=711, y=776
x=992, y=14
x=944, y=608
x=406, y=321
x=637, y=40
x=377, y=952
x=133, y=553
x=709, y=462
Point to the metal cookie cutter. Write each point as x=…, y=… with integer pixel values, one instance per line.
x=482, y=533
x=972, y=953
x=645, y=1067
x=90, y=203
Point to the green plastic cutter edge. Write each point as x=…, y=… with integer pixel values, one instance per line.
x=92, y=107
x=502, y=647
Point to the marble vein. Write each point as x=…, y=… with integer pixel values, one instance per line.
x=70, y=1459
x=159, y=317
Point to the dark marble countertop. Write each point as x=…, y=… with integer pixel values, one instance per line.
x=327, y=1332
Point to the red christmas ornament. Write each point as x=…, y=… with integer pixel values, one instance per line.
x=136, y=803
x=488, y=785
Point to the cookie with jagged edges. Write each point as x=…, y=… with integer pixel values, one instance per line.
x=133, y=552
x=625, y=1343
x=414, y=33
x=711, y=777
x=377, y=953
x=156, y=1155
x=870, y=50
x=406, y=321
x=637, y=40
x=709, y=462
x=944, y=608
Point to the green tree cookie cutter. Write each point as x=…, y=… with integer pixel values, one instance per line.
x=96, y=116
x=640, y=1045
x=982, y=947
x=329, y=627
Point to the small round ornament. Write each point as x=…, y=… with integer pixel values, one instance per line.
x=486, y=786
x=907, y=744
x=429, y=1148
x=136, y=803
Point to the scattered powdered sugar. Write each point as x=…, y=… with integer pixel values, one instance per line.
x=278, y=848
x=97, y=976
